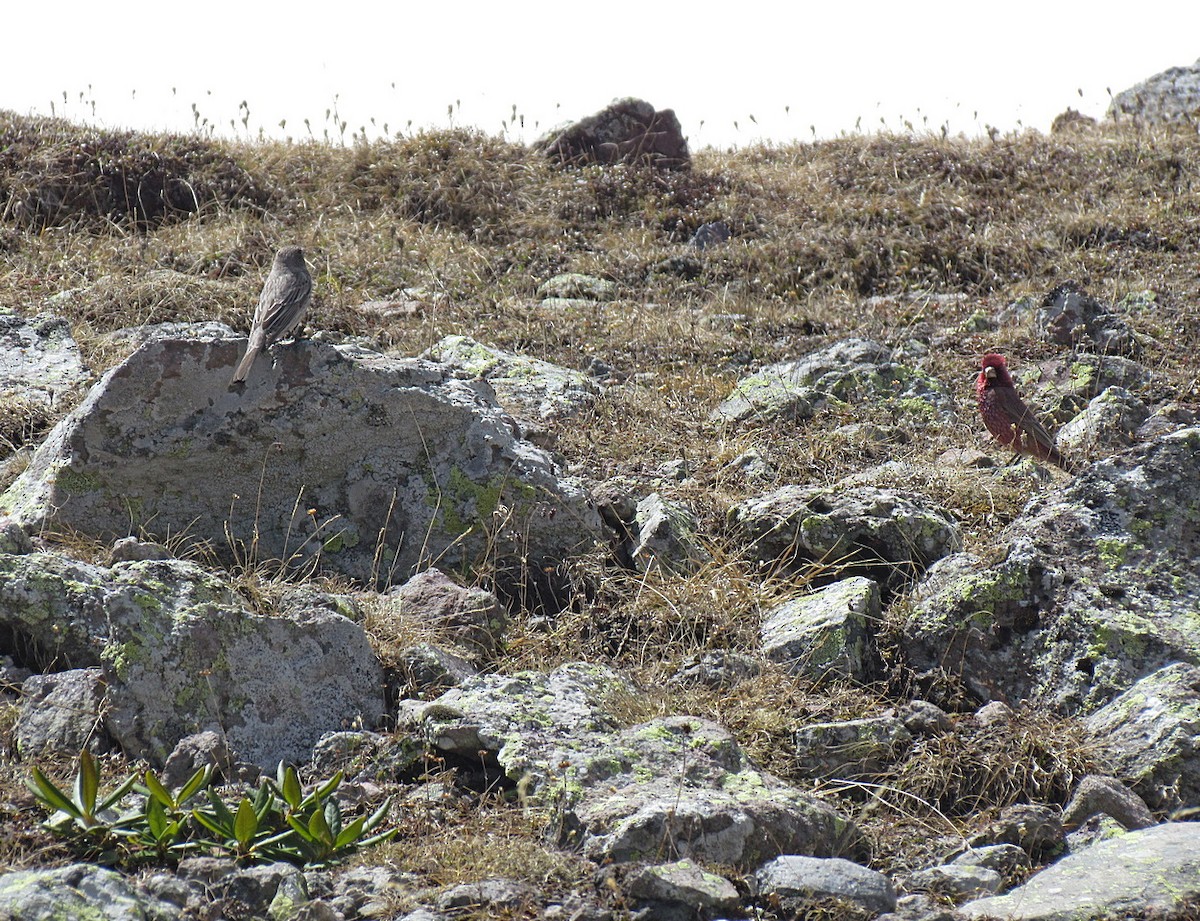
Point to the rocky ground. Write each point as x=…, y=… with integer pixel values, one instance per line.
x=623, y=533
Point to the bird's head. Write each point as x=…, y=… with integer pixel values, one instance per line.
x=994, y=369
x=290, y=256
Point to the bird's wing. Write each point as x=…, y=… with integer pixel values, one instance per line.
x=1023, y=417
x=282, y=297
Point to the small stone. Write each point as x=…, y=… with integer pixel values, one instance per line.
x=1097, y=795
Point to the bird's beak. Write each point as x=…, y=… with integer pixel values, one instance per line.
x=989, y=373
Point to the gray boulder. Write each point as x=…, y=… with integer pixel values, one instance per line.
x=851, y=749
x=679, y=783
x=1150, y=735
x=1068, y=316
x=180, y=654
x=683, y=883
x=1096, y=795
x=78, y=891
x=627, y=131
x=1135, y=875
x=1036, y=829
x=333, y=457
x=667, y=537
x=1108, y=424
x=429, y=671
x=62, y=712
x=495, y=896
x=830, y=632
x=885, y=535
x=1095, y=588
x=850, y=371
x=791, y=881
x=470, y=617
x=529, y=388
x=39, y=360
x=1172, y=96
x=956, y=881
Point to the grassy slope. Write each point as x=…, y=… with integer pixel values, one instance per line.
x=841, y=238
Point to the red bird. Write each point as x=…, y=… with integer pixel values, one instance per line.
x=1008, y=418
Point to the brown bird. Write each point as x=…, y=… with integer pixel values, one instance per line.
x=1007, y=417
x=281, y=306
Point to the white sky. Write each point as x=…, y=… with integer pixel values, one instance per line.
x=1008, y=63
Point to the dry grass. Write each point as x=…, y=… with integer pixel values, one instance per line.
x=901, y=238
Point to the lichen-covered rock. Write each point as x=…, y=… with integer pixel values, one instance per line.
x=683, y=883
x=529, y=388
x=1108, y=424
x=574, y=286
x=62, y=713
x=851, y=748
x=1151, y=736
x=884, y=535
x=331, y=456
x=681, y=783
x=851, y=371
x=181, y=654
x=1095, y=587
x=830, y=632
x=791, y=881
x=1065, y=388
x=78, y=891
x=1139, y=874
x=39, y=360
x=1168, y=97
x=667, y=537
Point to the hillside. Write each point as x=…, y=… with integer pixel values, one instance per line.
x=913, y=254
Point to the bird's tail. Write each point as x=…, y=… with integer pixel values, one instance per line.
x=247, y=362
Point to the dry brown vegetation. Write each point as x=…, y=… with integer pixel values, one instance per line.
x=907, y=239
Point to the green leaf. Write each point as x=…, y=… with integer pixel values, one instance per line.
x=349, y=834
x=118, y=794
x=319, y=829
x=333, y=816
x=323, y=792
x=87, y=783
x=380, y=838
x=51, y=796
x=157, y=791
x=264, y=798
x=202, y=778
x=156, y=818
x=378, y=815
x=221, y=811
x=290, y=787
x=246, y=824
x=212, y=824
x=301, y=829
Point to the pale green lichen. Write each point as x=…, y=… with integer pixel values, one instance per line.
x=76, y=482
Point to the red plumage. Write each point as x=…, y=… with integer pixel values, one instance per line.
x=1007, y=417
